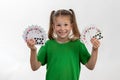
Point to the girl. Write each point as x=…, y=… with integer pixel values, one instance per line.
x=63, y=52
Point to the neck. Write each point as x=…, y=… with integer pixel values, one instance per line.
x=62, y=40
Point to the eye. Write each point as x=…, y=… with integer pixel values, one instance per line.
x=65, y=24
x=58, y=25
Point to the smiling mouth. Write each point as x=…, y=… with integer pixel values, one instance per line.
x=62, y=33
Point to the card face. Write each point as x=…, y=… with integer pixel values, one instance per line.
x=90, y=32
x=35, y=32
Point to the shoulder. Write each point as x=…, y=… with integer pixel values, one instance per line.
x=49, y=42
x=78, y=41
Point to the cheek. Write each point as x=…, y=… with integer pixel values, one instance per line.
x=56, y=30
x=70, y=28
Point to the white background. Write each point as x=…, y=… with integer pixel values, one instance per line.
x=16, y=15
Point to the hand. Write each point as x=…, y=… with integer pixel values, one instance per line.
x=31, y=44
x=95, y=42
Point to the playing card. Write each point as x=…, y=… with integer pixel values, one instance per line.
x=35, y=32
x=90, y=32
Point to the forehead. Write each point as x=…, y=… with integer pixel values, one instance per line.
x=62, y=19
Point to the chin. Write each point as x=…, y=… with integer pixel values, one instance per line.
x=63, y=37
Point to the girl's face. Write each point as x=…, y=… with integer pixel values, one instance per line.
x=62, y=27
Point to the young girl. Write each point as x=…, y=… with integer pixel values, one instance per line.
x=63, y=52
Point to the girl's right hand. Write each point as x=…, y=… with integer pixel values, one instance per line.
x=31, y=44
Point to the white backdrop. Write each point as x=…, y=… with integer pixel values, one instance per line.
x=16, y=15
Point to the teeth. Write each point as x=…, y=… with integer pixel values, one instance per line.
x=62, y=33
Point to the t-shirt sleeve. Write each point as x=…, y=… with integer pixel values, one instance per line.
x=84, y=54
x=42, y=55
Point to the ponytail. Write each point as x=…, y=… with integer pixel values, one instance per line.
x=75, y=27
x=50, y=32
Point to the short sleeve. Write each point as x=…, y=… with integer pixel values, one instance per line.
x=42, y=55
x=84, y=54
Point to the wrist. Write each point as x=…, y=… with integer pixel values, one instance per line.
x=94, y=49
x=33, y=49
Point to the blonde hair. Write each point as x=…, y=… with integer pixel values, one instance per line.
x=63, y=12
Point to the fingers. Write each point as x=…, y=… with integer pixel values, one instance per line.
x=30, y=42
x=95, y=42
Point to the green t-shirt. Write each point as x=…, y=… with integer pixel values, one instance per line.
x=63, y=59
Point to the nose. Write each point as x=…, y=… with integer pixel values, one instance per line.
x=62, y=27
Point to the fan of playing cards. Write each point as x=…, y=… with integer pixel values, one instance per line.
x=35, y=32
x=91, y=32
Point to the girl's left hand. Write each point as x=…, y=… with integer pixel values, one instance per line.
x=95, y=42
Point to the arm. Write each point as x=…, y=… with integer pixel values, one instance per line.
x=35, y=64
x=33, y=60
x=92, y=61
